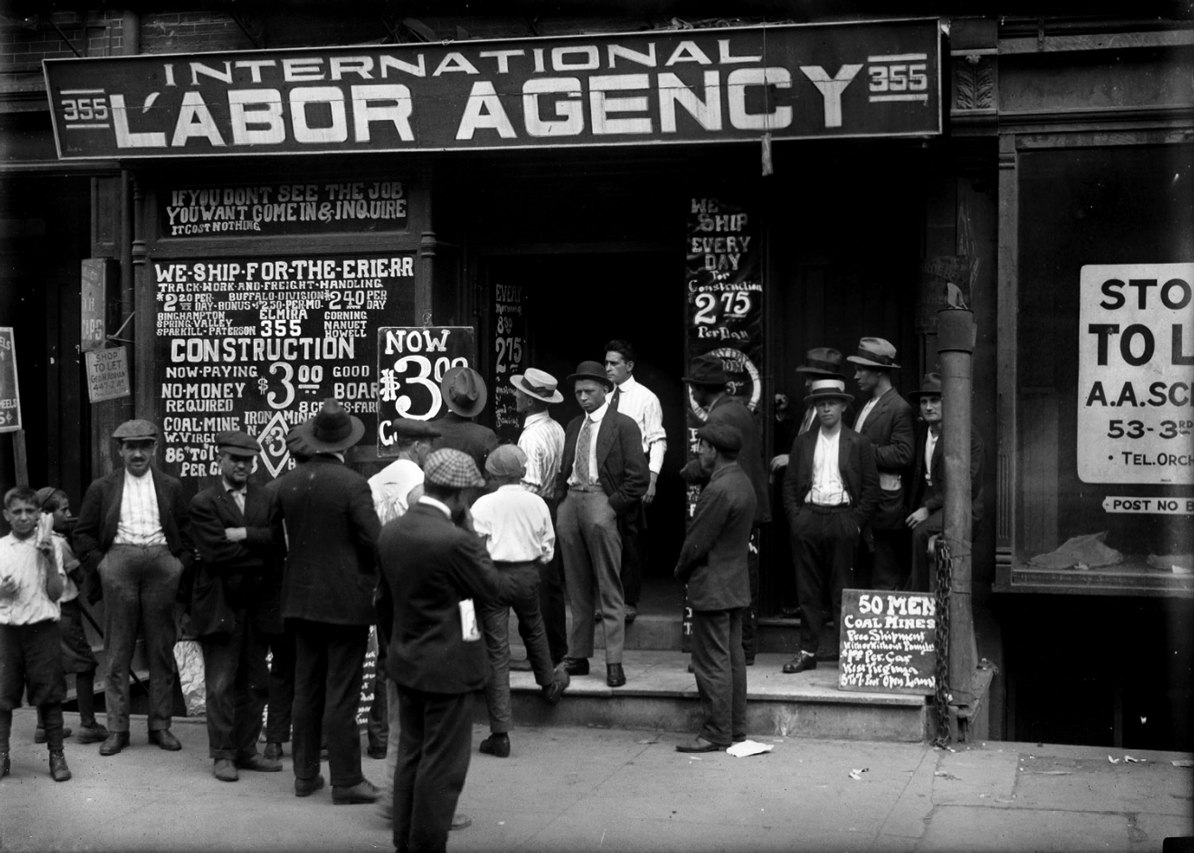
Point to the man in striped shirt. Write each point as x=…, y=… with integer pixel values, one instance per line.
x=542, y=440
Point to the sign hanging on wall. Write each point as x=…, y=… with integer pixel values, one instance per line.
x=1136, y=374
x=877, y=78
x=10, y=392
x=107, y=374
x=887, y=642
x=94, y=277
x=411, y=363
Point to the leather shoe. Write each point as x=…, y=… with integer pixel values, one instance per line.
x=375, y=751
x=307, y=787
x=224, y=770
x=521, y=665
x=5, y=765
x=273, y=751
x=58, y=769
x=164, y=739
x=631, y=614
x=554, y=692
x=699, y=745
x=259, y=763
x=614, y=675
x=460, y=821
x=115, y=742
x=362, y=792
x=576, y=666
x=800, y=663
x=91, y=734
x=497, y=745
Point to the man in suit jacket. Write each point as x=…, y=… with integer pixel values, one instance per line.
x=708, y=379
x=830, y=491
x=886, y=421
x=927, y=491
x=603, y=475
x=134, y=530
x=327, y=600
x=433, y=564
x=712, y=563
x=237, y=528
x=464, y=395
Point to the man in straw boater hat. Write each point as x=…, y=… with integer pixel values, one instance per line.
x=327, y=601
x=603, y=476
x=886, y=421
x=708, y=379
x=830, y=491
x=435, y=569
x=464, y=395
x=237, y=528
x=542, y=440
x=927, y=487
x=712, y=563
x=134, y=529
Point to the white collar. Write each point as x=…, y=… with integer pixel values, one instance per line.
x=438, y=504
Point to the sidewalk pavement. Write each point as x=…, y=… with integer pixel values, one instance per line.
x=586, y=789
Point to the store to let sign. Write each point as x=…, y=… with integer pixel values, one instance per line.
x=107, y=374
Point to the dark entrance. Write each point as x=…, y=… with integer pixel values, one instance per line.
x=574, y=303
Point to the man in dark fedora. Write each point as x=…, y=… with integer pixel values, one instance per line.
x=886, y=421
x=542, y=440
x=830, y=491
x=327, y=601
x=927, y=488
x=237, y=528
x=465, y=395
x=712, y=563
x=708, y=378
x=603, y=475
x=134, y=529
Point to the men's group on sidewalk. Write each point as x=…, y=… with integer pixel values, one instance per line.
x=435, y=555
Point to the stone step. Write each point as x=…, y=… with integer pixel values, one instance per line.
x=660, y=694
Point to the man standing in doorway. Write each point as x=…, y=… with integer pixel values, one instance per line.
x=886, y=422
x=542, y=440
x=327, y=599
x=135, y=530
x=708, y=378
x=638, y=402
x=603, y=476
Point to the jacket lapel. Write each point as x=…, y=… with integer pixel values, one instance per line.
x=606, y=435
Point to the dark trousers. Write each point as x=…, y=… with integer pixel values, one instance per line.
x=140, y=585
x=237, y=682
x=329, y=662
x=633, y=527
x=433, y=756
x=883, y=568
x=281, y=686
x=31, y=663
x=823, y=544
x=719, y=664
x=377, y=725
x=918, y=578
x=495, y=625
x=551, y=598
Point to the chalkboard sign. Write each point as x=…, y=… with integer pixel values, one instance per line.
x=509, y=357
x=411, y=362
x=887, y=642
x=259, y=343
x=10, y=395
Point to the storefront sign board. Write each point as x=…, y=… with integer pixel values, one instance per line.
x=850, y=79
x=95, y=275
x=887, y=642
x=411, y=363
x=10, y=393
x=1136, y=374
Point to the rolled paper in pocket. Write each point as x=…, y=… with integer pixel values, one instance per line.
x=468, y=621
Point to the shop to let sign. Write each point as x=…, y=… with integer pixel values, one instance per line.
x=1136, y=374
x=10, y=394
x=107, y=374
x=878, y=78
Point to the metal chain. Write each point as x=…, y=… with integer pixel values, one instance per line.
x=941, y=697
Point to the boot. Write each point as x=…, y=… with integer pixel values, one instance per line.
x=58, y=769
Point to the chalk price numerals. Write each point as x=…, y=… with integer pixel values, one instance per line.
x=1118, y=428
x=309, y=376
x=420, y=371
x=732, y=304
x=509, y=353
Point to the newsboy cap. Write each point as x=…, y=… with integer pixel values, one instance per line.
x=135, y=430
x=724, y=437
x=452, y=469
x=234, y=442
x=507, y=461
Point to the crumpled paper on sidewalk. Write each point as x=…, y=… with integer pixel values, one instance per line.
x=749, y=747
x=188, y=655
x=1080, y=552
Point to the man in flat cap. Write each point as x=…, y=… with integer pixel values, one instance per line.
x=927, y=488
x=886, y=421
x=603, y=476
x=134, y=529
x=712, y=563
x=542, y=440
x=237, y=528
x=434, y=571
x=707, y=378
x=516, y=527
x=393, y=484
x=327, y=600
x=465, y=395
x=830, y=491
